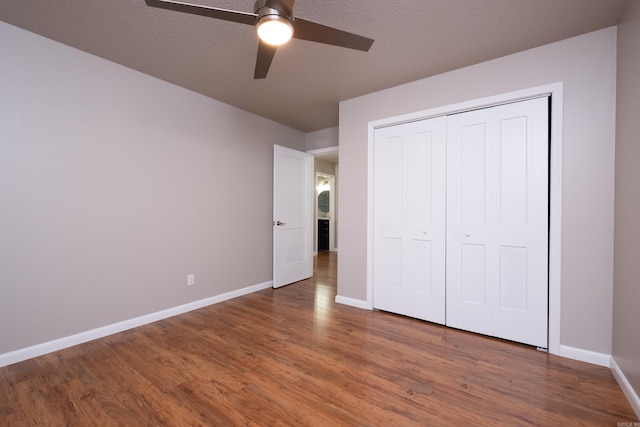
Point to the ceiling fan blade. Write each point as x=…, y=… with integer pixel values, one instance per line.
x=263, y=61
x=311, y=31
x=211, y=12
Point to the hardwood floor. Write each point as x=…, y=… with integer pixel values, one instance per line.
x=292, y=356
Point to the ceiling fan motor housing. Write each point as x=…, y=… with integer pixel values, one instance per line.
x=274, y=8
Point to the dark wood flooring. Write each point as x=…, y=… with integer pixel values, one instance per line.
x=292, y=356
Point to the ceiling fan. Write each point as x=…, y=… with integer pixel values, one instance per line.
x=275, y=25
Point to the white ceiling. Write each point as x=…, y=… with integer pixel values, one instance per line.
x=413, y=39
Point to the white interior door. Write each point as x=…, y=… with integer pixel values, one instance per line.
x=292, y=215
x=497, y=221
x=409, y=219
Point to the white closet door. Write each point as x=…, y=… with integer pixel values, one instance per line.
x=409, y=219
x=497, y=221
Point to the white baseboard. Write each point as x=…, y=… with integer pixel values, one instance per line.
x=351, y=301
x=626, y=387
x=58, y=344
x=588, y=356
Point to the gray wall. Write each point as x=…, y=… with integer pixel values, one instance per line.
x=323, y=138
x=325, y=167
x=626, y=290
x=114, y=186
x=587, y=67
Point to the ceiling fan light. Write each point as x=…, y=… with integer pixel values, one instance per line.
x=274, y=30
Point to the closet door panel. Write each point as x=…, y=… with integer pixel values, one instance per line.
x=468, y=197
x=409, y=219
x=497, y=200
x=521, y=299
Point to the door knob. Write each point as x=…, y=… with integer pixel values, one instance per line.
x=468, y=234
x=279, y=223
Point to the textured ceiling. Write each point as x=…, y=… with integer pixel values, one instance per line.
x=413, y=39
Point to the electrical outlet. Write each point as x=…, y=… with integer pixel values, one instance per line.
x=191, y=279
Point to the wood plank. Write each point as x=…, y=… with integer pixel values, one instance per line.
x=292, y=356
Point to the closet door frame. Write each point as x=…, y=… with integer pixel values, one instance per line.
x=555, y=91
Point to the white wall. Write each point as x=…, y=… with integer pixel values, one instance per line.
x=114, y=186
x=587, y=67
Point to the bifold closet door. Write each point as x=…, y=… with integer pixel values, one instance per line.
x=497, y=221
x=409, y=219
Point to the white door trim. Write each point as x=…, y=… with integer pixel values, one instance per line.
x=323, y=150
x=555, y=189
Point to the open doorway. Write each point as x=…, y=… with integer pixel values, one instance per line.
x=325, y=199
x=325, y=212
